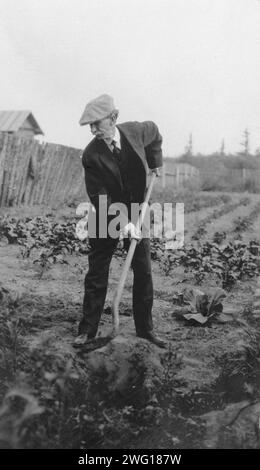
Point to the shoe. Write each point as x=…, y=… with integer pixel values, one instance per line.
x=81, y=340
x=153, y=339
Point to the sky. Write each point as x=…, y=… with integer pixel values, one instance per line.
x=191, y=66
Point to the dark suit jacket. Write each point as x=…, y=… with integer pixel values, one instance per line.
x=102, y=175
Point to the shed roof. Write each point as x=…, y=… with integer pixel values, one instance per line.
x=12, y=121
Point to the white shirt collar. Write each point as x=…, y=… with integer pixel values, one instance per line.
x=117, y=138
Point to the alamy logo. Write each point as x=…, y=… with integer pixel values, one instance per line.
x=164, y=221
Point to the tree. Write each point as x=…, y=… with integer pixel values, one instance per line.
x=245, y=143
x=257, y=152
x=189, y=147
x=222, y=148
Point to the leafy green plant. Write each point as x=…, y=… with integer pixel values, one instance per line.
x=219, y=212
x=59, y=382
x=241, y=224
x=18, y=407
x=219, y=237
x=204, y=307
x=47, y=258
x=229, y=263
x=42, y=232
x=193, y=200
x=9, y=332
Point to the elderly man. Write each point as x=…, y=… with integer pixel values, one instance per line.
x=116, y=163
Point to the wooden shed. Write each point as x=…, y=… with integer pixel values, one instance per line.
x=20, y=123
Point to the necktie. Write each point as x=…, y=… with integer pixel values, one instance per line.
x=116, y=150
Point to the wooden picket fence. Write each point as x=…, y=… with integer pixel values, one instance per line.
x=34, y=173
x=179, y=175
x=176, y=175
x=42, y=173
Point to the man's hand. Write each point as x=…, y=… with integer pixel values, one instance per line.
x=131, y=231
x=156, y=171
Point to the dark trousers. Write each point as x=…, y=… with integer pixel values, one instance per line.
x=96, y=281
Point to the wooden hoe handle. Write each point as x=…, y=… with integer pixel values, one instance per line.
x=129, y=257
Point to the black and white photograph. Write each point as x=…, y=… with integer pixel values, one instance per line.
x=130, y=229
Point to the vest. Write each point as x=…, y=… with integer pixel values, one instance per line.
x=129, y=164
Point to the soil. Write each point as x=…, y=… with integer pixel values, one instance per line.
x=184, y=396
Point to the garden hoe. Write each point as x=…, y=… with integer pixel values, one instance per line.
x=102, y=341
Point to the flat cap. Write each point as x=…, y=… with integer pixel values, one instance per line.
x=97, y=109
